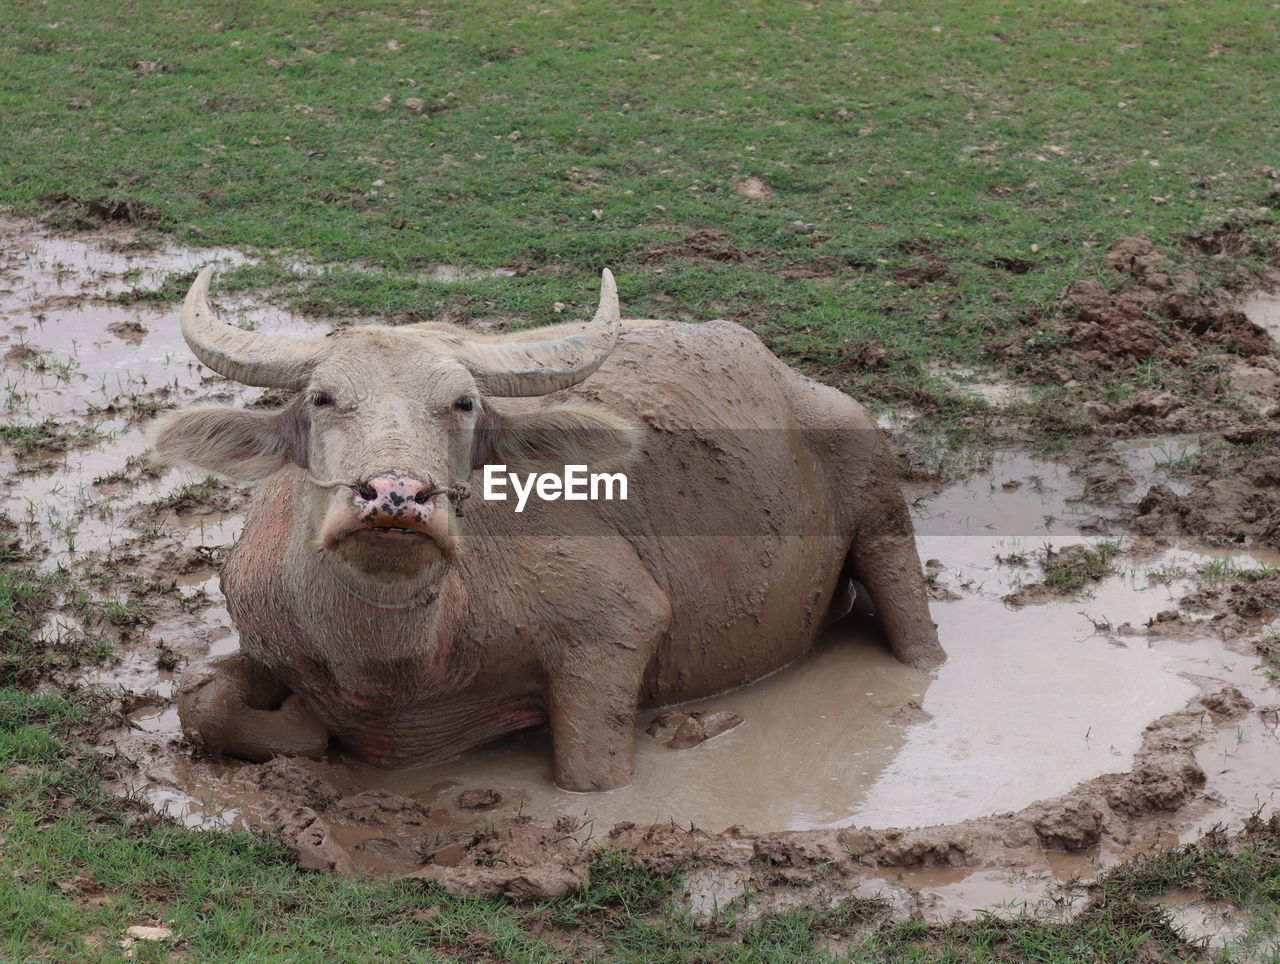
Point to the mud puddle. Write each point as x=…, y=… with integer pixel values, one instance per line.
x=82, y=373
x=1060, y=722
x=1263, y=309
x=1035, y=702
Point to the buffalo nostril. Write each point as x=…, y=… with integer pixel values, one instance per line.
x=365, y=491
x=423, y=497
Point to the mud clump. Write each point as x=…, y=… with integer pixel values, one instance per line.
x=1155, y=311
x=1036, y=594
x=1227, y=702
x=1066, y=572
x=1221, y=512
x=290, y=777
x=78, y=213
x=704, y=244
x=1077, y=825
x=130, y=331
x=690, y=729
x=1162, y=782
x=12, y=548
x=485, y=799
x=21, y=355
x=1251, y=598
x=1150, y=412
x=1105, y=479
x=376, y=808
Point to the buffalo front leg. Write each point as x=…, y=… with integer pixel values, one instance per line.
x=595, y=670
x=889, y=567
x=230, y=705
x=593, y=731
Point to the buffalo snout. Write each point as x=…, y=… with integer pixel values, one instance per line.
x=392, y=492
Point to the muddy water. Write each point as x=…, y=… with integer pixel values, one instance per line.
x=1032, y=702
x=1263, y=309
x=102, y=368
x=1034, y=699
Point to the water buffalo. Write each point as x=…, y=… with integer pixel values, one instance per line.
x=378, y=610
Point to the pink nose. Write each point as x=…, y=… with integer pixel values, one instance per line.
x=393, y=493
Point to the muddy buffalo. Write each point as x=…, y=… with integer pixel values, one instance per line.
x=379, y=610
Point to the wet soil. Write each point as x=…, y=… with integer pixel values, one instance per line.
x=1141, y=308
x=1067, y=730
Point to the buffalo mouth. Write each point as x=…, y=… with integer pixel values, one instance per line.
x=391, y=549
x=381, y=525
x=383, y=528
x=388, y=533
x=390, y=542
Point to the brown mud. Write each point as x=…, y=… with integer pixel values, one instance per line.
x=1061, y=736
x=1141, y=308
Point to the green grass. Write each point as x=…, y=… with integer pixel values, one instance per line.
x=27, y=649
x=1070, y=570
x=943, y=152
x=1228, y=569
x=47, y=436
x=72, y=879
x=190, y=495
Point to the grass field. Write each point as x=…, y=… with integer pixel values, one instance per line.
x=923, y=176
x=959, y=165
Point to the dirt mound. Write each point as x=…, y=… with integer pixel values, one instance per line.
x=1222, y=512
x=1145, y=309
x=704, y=244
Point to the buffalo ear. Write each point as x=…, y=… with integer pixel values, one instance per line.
x=246, y=446
x=556, y=436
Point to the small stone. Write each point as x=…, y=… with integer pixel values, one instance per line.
x=802, y=227
x=147, y=932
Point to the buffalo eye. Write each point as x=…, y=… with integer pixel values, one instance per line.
x=321, y=399
x=465, y=404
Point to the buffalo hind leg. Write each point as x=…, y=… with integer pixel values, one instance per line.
x=230, y=705
x=889, y=567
